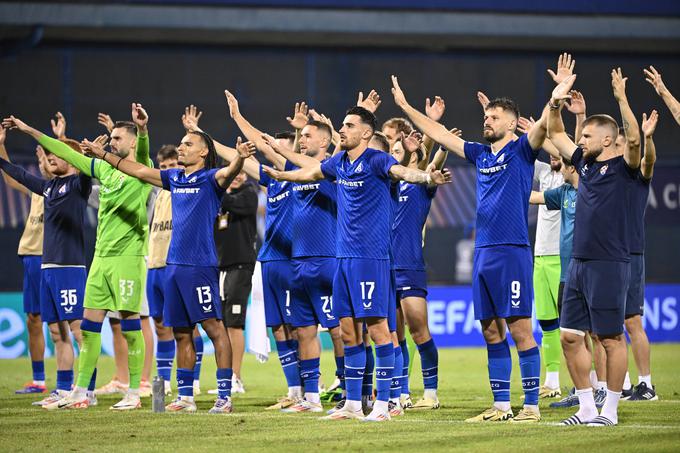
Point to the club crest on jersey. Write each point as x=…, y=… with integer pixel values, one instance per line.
x=359, y=168
x=501, y=159
x=192, y=180
x=584, y=170
x=603, y=170
x=62, y=190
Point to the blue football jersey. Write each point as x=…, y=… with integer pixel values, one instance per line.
x=639, y=193
x=315, y=219
x=364, y=203
x=279, y=218
x=195, y=206
x=603, y=211
x=503, y=189
x=407, y=229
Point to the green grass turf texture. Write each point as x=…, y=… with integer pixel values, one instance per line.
x=464, y=392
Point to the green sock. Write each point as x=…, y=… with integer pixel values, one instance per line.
x=552, y=350
x=135, y=342
x=92, y=347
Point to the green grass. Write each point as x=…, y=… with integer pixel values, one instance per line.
x=649, y=426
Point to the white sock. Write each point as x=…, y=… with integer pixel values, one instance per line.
x=197, y=383
x=312, y=397
x=188, y=398
x=593, y=379
x=430, y=393
x=646, y=379
x=552, y=379
x=380, y=406
x=295, y=392
x=626, y=382
x=353, y=406
x=38, y=382
x=502, y=405
x=587, y=409
x=90, y=393
x=611, y=405
x=394, y=400
x=601, y=385
x=79, y=392
x=133, y=393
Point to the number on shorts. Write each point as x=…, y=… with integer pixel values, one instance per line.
x=364, y=291
x=127, y=288
x=327, y=306
x=204, y=295
x=515, y=287
x=287, y=298
x=68, y=297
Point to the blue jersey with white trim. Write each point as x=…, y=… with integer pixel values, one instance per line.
x=407, y=229
x=279, y=218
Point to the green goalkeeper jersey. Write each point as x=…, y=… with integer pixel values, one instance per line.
x=123, y=227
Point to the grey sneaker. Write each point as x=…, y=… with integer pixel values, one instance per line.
x=600, y=397
x=570, y=400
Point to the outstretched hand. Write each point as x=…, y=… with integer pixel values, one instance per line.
x=577, y=104
x=619, y=84
x=233, y=103
x=94, y=148
x=372, y=101
x=649, y=123
x=457, y=132
x=300, y=117
x=524, y=125
x=271, y=141
x=272, y=172
x=58, y=124
x=139, y=116
x=412, y=141
x=190, y=118
x=435, y=110
x=15, y=123
x=106, y=121
x=245, y=149
x=562, y=90
x=483, y=99
x=653, y=77
x=565, y=68
x=398, y=93
x=439, y=177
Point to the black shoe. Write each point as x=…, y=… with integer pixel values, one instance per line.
x=644, y=393
x=626, y=394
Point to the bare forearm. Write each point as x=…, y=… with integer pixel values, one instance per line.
x=536, y=198
x=672, y=104
x=580, y=119
x=11, y=182
x=225, y=176
x=439, y=158
x=434, y=130
x=134, y=169
x=632, y=132
x=557, y=135
x=649, y=159
x=411, y=175
x=252, y=133
x=297, y=159
x=307, y=174
x=428, y=146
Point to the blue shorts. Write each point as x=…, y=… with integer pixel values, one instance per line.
x=155, y=280
x=635, y=299
x=192, y=295
x=410, y=283
x=361, y=288
x=277, y=282
x=595, y=296
x=62, y=290
x=502, y=282
x=31, y=283
x=312, y=294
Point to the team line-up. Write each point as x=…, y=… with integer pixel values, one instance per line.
x=342, y=249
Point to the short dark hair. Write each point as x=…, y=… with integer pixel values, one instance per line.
x=367, y=117
x=286, y=135
x=400, y=124
x=603, y=120
x=325, y=128
x=210, y=159
x=167, y=152
x=382, y=140
x=506, y=104
x=127, y=125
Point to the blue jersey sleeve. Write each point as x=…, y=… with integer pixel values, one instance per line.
x=526, y=151
x=264, y=178
x=381, y=164
x=289, y=166
x=577, y=158
x=165, y=178
x=472, y=151
x=553, y=198
x=84, y=185
x=329, y=167
x=219, y=190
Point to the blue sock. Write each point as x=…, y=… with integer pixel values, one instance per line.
x=384, y=366
x=340, y=370
x=165, y=355
x=224, y=382
x=38, y=367
x=404, y=371
x=395, y=385
x=367, y=385
x=429, y=361
x=93, y=381
x=64, y=380
x=309, y=371
x=355, y=364
x=530, y=368
x=295, y=346
x=289, y=363
x=185, y=382
x=500, y=367
x=198, y=346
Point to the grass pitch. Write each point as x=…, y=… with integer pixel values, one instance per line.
x=464, y=391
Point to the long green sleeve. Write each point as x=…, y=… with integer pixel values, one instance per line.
x=142, y=150
x=62, y=150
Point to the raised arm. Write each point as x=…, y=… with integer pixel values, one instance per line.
x=134, y=169
x=577, y=106
x=251, y=133
x=434, y=111
x=9, y=181
x=555, y=128
x=538, y=133
x=297, y=159
x=432, y=129
x=654, y=78
x=431, y=177
x=524, y=125
x=226, y=175
x=649, y=158
x=305, y=174
x=59, y=149
x=141, y=120
x=439, y=159
x=31, y=182
x=630, y=125
x=298, y=121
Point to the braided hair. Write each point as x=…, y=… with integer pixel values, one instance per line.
x=210, y=161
